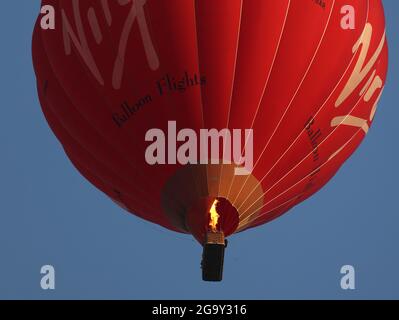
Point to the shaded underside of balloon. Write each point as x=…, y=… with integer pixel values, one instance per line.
x=307, y=87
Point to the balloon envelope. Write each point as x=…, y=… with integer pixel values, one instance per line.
x=304, y=76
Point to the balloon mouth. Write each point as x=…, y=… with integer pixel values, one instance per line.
x=222, y=217
x=189, y=193
x=212, y=215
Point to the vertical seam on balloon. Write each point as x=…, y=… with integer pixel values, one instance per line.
x=323, y=105
x=299, y=86
x=198, y=59
x=200, y=87
x=231, y=93
x=264, y=90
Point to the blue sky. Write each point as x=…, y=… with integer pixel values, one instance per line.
x=49, y=214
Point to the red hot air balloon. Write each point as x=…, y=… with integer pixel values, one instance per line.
x=210, y=117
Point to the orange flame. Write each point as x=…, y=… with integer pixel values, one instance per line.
x=214, y=216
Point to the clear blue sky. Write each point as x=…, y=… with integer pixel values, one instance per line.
x=49, y=214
